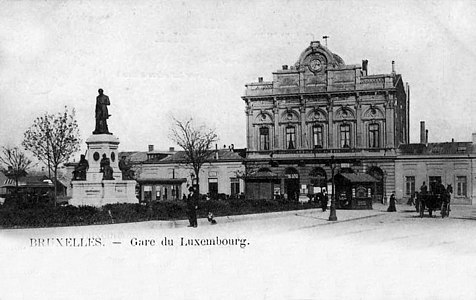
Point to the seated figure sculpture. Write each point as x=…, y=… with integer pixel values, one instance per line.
x=79, y=172
x=127, y=173
x=105, y=168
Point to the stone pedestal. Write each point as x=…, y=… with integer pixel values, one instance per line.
x=98, y=145
x=94, y=191
x=102, y=193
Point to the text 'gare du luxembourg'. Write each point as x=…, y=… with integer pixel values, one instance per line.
x=316, y=118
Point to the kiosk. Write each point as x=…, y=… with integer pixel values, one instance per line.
x=354, y=191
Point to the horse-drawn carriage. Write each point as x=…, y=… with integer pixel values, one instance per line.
x=438, y=199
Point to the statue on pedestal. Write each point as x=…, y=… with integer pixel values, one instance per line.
x=102, y=114
x=105, y=168
x=127, y=173
x=79, y=172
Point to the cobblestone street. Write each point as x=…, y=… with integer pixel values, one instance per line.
x=366, y=254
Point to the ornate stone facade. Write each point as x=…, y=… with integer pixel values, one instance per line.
x=321, y=108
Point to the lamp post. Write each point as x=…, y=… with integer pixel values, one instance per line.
x=333, y=216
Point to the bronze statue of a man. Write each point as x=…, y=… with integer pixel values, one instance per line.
x=125, y=167
x=79, y=172
x=102, y=114
x=105, y=168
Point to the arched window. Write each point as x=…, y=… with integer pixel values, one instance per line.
x=317, y=136
x=345, y=136
x=290, y=137
x=374, y=135
x=264, y=138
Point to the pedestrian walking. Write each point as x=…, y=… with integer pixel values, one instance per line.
x=324, y=200
x=391, y=206
x=446, y=200
x=192, y=206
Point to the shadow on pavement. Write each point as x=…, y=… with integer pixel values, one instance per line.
x=464, y=218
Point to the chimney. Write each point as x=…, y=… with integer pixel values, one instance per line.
x=151, y=148
x=422, y=132
x=260, y=79
x=285, y=67
x=426, y=137
x=474, y=138
x=365, y=63
x=171, y=149
x=216, y=151
x=393, y=67
x=452, y=140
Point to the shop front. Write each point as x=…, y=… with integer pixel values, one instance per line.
x=161, y=189
x=354, y=191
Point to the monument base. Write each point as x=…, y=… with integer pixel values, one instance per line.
x=105, y=192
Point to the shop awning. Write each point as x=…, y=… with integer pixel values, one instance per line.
x=155, y=180
x=353, y=177
x=262, y=175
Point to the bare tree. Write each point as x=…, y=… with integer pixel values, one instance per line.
x=53, y=139
x=15, y=163
x=196, y=143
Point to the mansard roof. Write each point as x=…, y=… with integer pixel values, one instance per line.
x=436, y=148
x=215, y=155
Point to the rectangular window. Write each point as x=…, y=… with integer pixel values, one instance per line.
x=409, y=185
x=213, y=188
x=461, y=186
x=317, y=136
x=291, y=137
x=147, y=193
x=264, y=138
x=235, y=186
x=373, y=136
x=345, y=136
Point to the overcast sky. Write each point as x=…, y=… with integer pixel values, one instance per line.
x=155, y=59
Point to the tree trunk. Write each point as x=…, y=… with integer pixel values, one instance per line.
x=54, y=183
x=198, y=180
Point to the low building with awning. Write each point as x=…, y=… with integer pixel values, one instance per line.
x=354, y=190
x=158, y=188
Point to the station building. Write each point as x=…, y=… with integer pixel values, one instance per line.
x=321, y=117
x=322, y=113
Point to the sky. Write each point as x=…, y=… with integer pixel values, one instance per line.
x=162, y=59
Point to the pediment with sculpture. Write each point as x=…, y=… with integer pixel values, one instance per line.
x=317, y=58
x=317, y=115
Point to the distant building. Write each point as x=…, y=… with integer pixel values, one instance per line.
x=451, y=163
x=32, y=184
x=170, y=177
x=321, y=112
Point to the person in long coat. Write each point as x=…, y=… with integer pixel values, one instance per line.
x=324, y=200
x=192, y=205
x=392, y=207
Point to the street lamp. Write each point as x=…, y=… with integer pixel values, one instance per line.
x=333, y=216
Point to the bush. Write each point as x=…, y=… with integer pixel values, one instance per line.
x=48, y=215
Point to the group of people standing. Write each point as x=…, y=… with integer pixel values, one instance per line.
x=322, y=199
